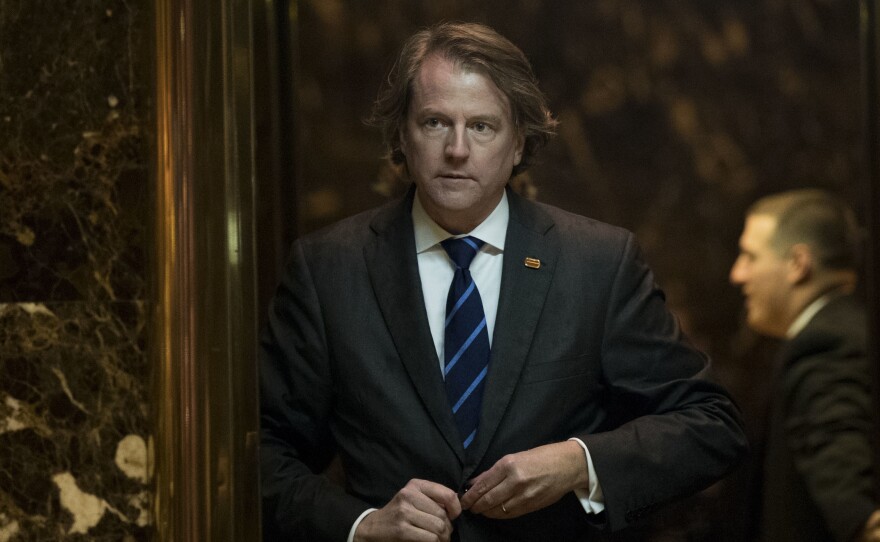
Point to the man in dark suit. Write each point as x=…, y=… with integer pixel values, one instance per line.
x=484, y=367
x=797, y=268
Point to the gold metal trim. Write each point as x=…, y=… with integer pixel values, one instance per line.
x=204, y=319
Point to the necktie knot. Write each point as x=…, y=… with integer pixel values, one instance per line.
x=462, y=250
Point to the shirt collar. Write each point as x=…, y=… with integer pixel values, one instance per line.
x=806, y=315
x=491, y=231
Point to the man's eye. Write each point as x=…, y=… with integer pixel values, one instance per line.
x=481, y=127
x=432, y=123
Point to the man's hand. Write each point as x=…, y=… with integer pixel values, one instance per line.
x=871, y=532
x=421, y=511
x=527, y=481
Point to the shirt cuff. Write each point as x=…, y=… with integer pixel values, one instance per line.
x=358, y=522
x=591, y=498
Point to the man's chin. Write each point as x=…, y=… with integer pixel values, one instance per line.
x=762, y=327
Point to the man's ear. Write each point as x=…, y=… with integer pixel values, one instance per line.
x=401, y=140
x=801, y=263
x=520, y=145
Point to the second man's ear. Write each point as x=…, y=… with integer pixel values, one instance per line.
x=800, y=263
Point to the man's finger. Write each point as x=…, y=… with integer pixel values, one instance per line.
x=490, y=504
x=438, y=525
x=483, y=484
x=442, y=496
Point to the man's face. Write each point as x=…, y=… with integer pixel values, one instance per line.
x=761, y=273
x=460, y=143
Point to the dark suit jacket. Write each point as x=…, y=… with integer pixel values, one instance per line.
x=583, y=346
x=817, y=471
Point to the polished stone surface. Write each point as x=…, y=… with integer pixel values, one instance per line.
x=74, y=201
x=72, y=420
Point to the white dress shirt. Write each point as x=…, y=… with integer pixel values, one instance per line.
x=436, y=270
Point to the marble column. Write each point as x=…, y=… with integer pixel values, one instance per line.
x=75, y=124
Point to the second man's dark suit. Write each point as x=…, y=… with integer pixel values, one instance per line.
x=583, y=347
x=817, y=470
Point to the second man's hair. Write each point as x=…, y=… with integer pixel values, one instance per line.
x=816, y=218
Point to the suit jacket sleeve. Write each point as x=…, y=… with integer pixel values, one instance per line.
x=674, y=432
x=296, y=397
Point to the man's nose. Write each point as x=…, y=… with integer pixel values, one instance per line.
x=457, y=146
x=737, y=272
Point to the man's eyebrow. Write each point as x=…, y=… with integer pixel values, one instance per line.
x=491, y=119
x=429, y=112
x=432, y=112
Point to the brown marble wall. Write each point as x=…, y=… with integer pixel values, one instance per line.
x=74, y=201
x=675, y=116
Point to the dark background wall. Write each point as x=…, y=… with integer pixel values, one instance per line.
x=74, y=207
x=675, y=116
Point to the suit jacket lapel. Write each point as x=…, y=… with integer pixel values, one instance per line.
x=393, y=267
x=523, y=291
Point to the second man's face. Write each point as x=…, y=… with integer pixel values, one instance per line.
x=761, y=273
x=460, y=143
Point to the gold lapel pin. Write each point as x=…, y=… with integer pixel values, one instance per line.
x=533, y=263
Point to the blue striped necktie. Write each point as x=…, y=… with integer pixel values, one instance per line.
x=466, y=340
